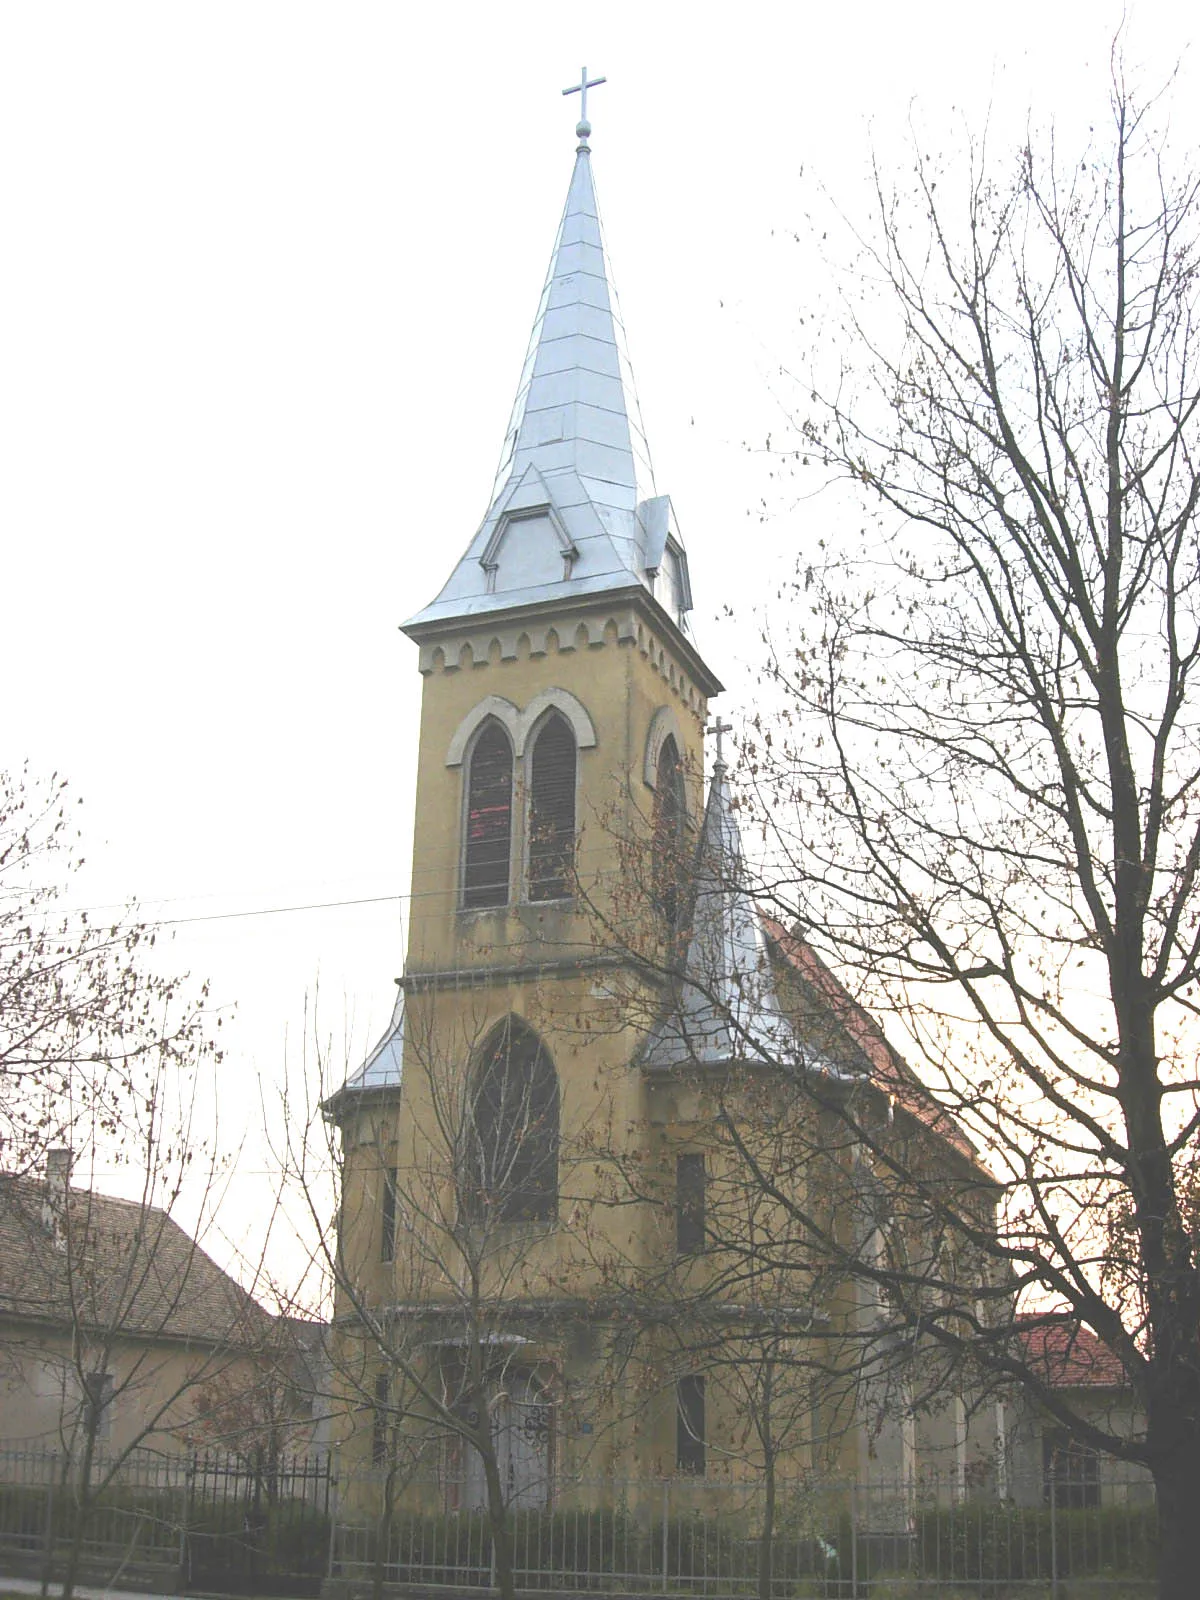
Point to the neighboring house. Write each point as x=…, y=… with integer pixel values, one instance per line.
x=535, y=1146
x=1043, y=1456
x=115, y=1324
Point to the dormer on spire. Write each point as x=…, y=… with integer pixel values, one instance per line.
x=574, y=511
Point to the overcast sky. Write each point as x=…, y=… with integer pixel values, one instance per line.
x=267, y=280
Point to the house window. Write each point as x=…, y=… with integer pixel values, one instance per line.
x=667, y=867
x=512, y=1132
x=689, y=1204
x=552, y=811
x=381, y=1417
x=489, y=820
x=689, y=1425
x=1071, y=1470
x=97, y=1404
x=387, y=1226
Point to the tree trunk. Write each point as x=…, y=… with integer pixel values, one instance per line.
x=1177, y=1486
x=498, y=1522
x=766, y=1538
x=83, y=1505
x=383, y=1534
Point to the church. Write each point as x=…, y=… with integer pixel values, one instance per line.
x=558, y=1266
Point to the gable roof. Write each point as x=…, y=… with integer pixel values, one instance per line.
x=1066, y=1355
x=887, y=1069
x=727, y=1007
x=117, y=1267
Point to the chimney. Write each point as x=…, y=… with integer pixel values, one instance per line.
x=58, y=1184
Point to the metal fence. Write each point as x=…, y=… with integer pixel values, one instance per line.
x=257, y=1523
x=273, y=1525
x=829, y=1541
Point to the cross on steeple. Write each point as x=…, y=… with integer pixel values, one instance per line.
x=583, y=127
x=719, y=728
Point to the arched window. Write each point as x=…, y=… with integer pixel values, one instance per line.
x=670, y=816
x=552, y=811
x=489, y=820
x=512, y=1131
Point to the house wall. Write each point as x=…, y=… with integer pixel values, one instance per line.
x=1114, y=1411
x=161, y=1392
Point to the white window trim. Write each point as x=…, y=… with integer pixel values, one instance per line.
x=664, y=725
x=520, y=724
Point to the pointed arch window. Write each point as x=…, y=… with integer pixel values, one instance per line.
x=552, y=811
x=512, y=1132
x=670, y=816
x=489, y=820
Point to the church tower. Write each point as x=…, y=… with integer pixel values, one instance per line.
x=558, y=789
x=556, y=659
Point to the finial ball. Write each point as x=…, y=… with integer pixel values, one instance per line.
x=582, y=130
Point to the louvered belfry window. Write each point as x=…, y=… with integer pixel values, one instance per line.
x=669, y=817
x=512, y=1132
x=489, y=820
x=552, y=812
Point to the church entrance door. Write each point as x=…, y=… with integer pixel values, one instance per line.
x=521, y=1430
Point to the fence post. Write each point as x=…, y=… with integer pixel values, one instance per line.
x=1053, y=1528
x=666, y=1514
x=853, y=1540
x=333, y=1507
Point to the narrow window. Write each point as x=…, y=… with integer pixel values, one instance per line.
x=668, y=865
x=513, y=1134
x=689, y=1204
x=387, y=1230
x=380, y=1420
x=552, y=812
x=489, y=820
x=689, y=1425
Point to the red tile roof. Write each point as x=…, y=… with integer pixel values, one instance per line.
x=888, y=1069
x=1069, y=1356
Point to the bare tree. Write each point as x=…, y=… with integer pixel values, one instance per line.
x=117, y=1319
x=84, y=1007
x=107, y=1301
x=982, y=786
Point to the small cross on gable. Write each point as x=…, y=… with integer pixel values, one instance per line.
x=719, y=729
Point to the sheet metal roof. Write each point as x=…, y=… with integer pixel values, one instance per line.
x=384, y=1067
x=726, y=1008
x=574, y=510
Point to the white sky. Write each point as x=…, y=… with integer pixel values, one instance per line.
x=267, y=279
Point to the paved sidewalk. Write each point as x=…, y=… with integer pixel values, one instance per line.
x=84, y=1591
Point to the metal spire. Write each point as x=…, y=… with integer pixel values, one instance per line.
x=574, y=510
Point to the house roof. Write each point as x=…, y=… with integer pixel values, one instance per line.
x=115, y=1265
x=1066, y=1355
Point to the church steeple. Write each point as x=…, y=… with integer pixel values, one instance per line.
x=574, y=511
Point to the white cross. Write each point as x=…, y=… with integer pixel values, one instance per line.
x=581, y=88
x=718, y=728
